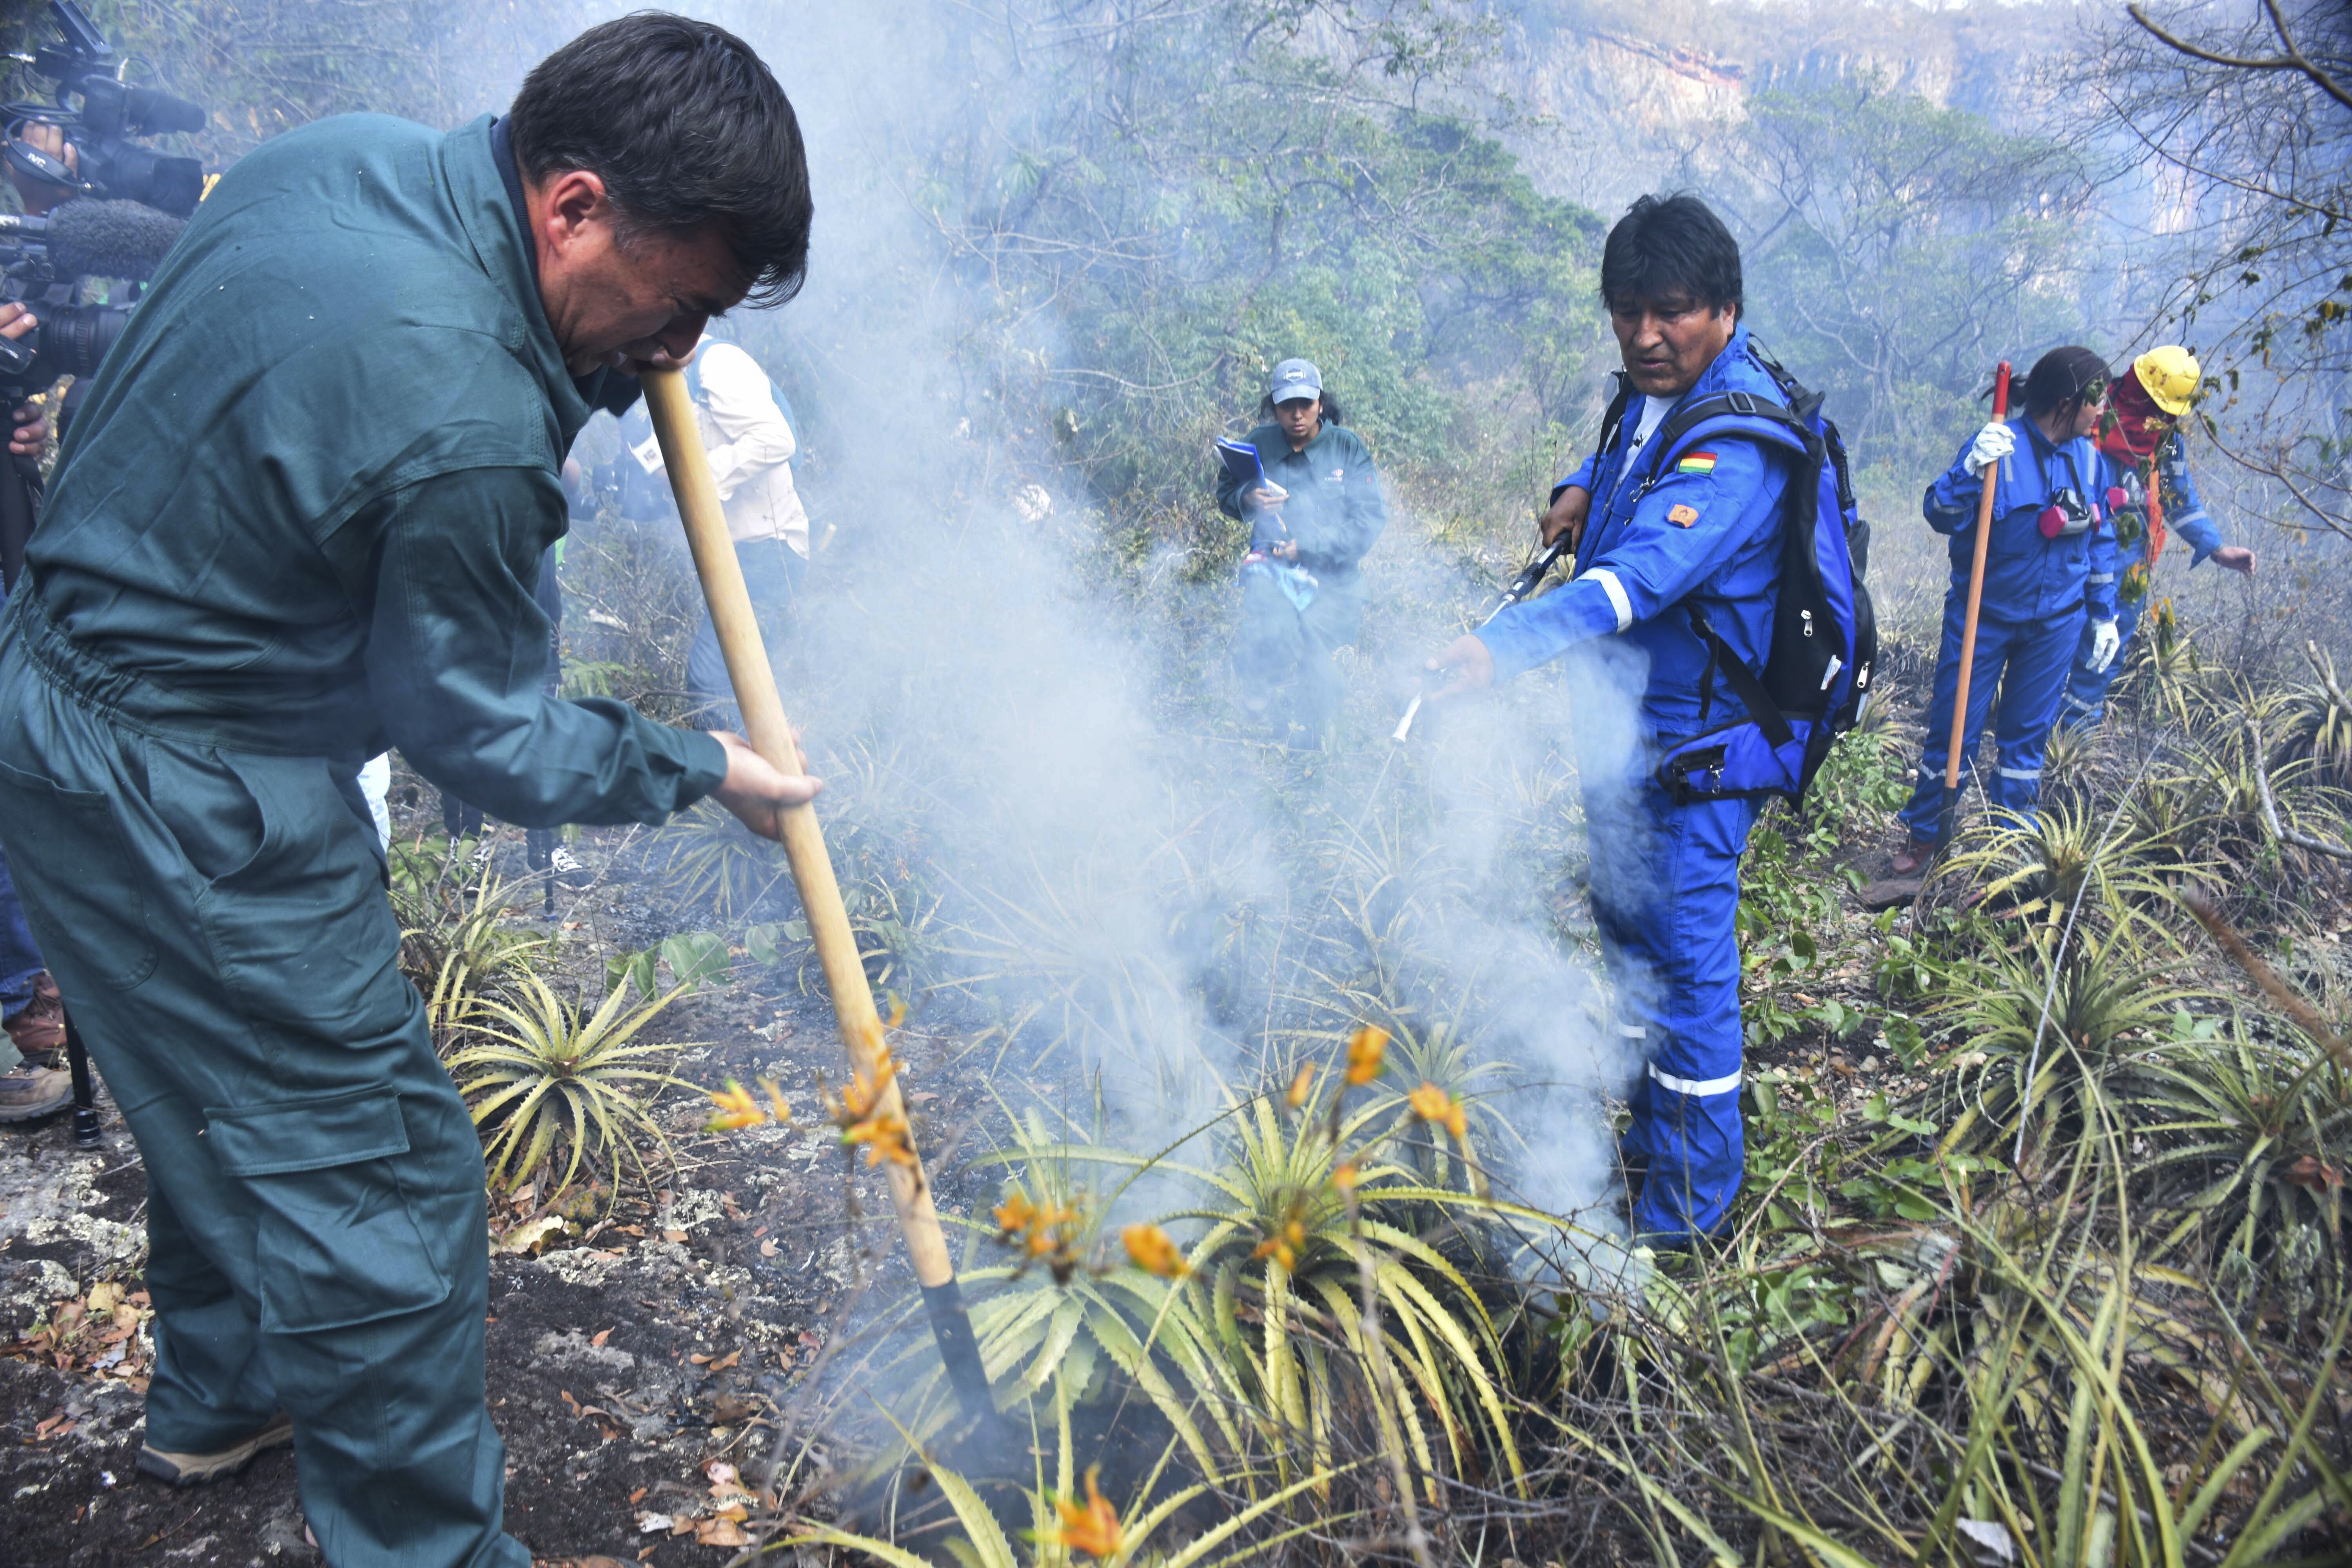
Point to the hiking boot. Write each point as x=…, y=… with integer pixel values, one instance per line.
x=195, y=1470
x=38, y=1032
x=1912, y=857
x=30, y=1093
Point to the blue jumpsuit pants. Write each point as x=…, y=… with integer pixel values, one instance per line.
x=1665, y=888
x=2027, y=661
x=2086, y=689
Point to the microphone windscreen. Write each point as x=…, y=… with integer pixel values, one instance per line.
x=110, y=239
x=155, y=112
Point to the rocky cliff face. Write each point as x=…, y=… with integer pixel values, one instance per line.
x=1630, y=95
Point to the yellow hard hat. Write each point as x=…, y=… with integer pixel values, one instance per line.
x=2169, y=375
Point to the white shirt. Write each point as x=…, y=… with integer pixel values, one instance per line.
x=1653, y=414
x=751, y=447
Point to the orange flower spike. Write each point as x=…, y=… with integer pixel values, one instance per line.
x=1155, y=1251
x=1300, y=1087
x=864, y=1094
x=776, y=1106
x=1092, y=1526
x=735, y=1108
x=1431, y=1103
x=1345, y=1175
x=1367, y=1054
x=1013, y=1216
x=885, y=1137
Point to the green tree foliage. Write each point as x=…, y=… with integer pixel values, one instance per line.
x=2244, y=111
x=1188, y=197
x=1900, y=248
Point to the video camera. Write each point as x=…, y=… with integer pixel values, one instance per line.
x=109, y=112
x=44, y=260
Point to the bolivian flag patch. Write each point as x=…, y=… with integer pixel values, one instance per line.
x=1696, y=463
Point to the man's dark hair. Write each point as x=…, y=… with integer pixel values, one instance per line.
x=686, y=127
x=2063, y=378
x=1666, y=246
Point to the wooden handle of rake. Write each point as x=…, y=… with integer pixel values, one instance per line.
x=1968, y=626
x=836, y=945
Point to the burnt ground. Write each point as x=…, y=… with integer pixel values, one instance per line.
x=634, y=1353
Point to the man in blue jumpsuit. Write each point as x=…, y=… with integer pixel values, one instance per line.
x=2144, y=456
x=300, y=522
x=2049, y=570
x=1660, y=531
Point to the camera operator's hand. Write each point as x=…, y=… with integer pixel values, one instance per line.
x=31, y=433
x=38, y=195
x=30, y=439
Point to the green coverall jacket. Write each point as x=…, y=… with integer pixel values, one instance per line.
x=301, y=520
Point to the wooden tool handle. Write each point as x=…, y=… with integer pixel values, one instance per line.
x=1976, y=598
x=803, y=840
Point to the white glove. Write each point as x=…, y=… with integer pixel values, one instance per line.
x=2104, y=641
x=1993, y=443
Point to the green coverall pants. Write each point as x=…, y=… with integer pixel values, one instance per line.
x=1283, y=654
x=316, y=1230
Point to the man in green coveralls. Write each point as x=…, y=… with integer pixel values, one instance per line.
x=300, y=522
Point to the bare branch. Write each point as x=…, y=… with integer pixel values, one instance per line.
x=2292, y=60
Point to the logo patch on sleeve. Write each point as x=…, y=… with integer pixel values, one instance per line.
x=1696, y=463
x=1682, y=516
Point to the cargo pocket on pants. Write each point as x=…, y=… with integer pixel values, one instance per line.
x=337, y=1243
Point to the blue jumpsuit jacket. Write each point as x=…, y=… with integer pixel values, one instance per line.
x=1700, y=524
x=2038, y=594
x=2185, y=517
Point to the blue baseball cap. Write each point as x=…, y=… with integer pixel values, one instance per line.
x=1294, y=379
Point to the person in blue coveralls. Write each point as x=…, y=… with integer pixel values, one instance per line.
x=1320, y=511
x=2151, y=498
x=2050, y=582
x=1662, y=531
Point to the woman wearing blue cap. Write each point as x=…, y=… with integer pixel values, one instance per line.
x=1314, y=510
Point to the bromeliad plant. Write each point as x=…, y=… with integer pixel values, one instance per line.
x=459, y=952
x=2064, y=856
x=1313, y=1314
x=542, y=1075
x=711, y=860
x=2011, y=1059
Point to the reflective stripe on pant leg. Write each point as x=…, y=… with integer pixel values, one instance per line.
x=1925, y=812
x=1667, y=1081
x=2043, y=654
x=1692, y=1107
x=1625, y=915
